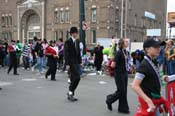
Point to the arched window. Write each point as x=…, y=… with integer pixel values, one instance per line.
x=94, y=13
x=67, y=15
x=61, y=15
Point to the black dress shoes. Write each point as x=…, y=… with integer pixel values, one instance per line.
x=124, y=111
x=46, y=76
x=71, y=98
x=109, y=106
x=16, y=74
x=53, y=80
x=0, y=88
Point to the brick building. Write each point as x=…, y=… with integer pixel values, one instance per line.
x=51, y=19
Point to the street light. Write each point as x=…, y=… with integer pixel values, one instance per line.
x=121, y=26
x=82, y=19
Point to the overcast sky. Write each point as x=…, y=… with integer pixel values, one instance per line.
x=171, y=6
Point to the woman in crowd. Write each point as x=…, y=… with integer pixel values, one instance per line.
x=121, y=79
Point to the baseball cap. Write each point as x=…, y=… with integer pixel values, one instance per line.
x=153, y=42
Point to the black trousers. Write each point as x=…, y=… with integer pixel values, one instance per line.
x=2, y=61
x=98, y=65
x=121, y=93
x=60, y=61
x=74, y=77
x=52, y=68
x=13, y=62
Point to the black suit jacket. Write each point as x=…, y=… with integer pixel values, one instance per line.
x=72, y=53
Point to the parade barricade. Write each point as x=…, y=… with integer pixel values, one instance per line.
x=171, y=97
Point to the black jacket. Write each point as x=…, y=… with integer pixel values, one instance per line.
x=72, y=53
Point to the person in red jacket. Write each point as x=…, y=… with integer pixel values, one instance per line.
x=147, y=83
x=12, y=49
x=52, y=54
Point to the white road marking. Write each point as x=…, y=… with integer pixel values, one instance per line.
x=39, y=87
x=29, y=79
x=102, y=82
x=5, y=83
x=92, y=74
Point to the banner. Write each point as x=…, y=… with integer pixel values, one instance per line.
x=171, y=97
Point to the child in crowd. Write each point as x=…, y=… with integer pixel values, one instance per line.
x=147, y=83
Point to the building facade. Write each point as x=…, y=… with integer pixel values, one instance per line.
x=51, y=19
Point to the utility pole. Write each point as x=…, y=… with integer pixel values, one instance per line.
x=126, y=17
x=82, y=19
x=121, y=24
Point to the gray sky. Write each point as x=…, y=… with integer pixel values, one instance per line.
x=171, y=6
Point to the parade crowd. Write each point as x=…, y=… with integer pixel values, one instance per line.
x=115, y=61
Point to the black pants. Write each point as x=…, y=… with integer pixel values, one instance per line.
x=121, y=93
x=52, y=68
x=60, y=61
x=98, y=65
x=2, y=61
x=74, y=77
x=13, y=62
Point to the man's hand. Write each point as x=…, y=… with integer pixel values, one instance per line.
x=165, y=78
x=67, y=67
x=55, y=56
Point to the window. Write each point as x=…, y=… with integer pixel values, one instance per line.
x=143, y=22
x=10, y=35
x=3, y=21
x=94, y=15
x=56, y=15
x=129, y=5
x=135, y=20
x=94, y=36
x=31, y=34
x=61, y=16
x=67, y=16
x=10, y=20
x=37, y=34
x=61, y=34
x=56, y=35
x=7, y=20
x=33, y=20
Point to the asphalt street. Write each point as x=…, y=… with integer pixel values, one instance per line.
x=32, y=95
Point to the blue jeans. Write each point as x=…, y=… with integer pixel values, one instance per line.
x=26, y=62
x=171, y=67
x=6, y=60
x=39, y=64
x=44, y=61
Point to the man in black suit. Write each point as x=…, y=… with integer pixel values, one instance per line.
x=72, y=60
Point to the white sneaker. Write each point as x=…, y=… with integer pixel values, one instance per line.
x=32, y=69
x=69, y=81
x=65, y=71
x=42, y=72
x=100, y=72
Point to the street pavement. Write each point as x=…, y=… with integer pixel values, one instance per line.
x=32, y=95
